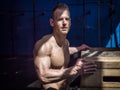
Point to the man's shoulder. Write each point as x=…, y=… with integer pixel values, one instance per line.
x=43, y=45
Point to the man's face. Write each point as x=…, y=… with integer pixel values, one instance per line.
x=61, y=21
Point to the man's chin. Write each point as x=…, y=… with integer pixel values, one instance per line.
x=65, y=32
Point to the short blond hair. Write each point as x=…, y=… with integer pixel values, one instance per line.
x=62, y=6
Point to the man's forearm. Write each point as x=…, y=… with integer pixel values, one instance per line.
x=73, y=50
x=53, y=75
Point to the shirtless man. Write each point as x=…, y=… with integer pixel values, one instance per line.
x=52, y=54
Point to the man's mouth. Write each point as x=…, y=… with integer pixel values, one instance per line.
x=64, y=27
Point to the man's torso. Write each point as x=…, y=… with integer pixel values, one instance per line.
x=60, y=57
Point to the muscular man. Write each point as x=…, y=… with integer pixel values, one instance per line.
x=52, y=54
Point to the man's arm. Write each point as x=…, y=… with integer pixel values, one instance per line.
x=73, y=50
x=45, y=74
x=48, y=75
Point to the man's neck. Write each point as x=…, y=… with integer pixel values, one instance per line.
x=60, y=39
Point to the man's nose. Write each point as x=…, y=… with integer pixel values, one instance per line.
x=64, y=22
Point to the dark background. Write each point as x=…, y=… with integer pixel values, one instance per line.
x=94, y=22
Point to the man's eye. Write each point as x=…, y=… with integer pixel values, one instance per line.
x=68, y=19
x=60, y=19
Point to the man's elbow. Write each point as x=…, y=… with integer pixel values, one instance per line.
x=43, y=79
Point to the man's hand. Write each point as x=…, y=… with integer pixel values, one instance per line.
x=85, y=67
x=81, y=67
x=83, y=47
x=88, y=67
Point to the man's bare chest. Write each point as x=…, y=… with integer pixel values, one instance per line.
x=60, y=57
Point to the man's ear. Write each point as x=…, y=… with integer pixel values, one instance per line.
x=51, y=22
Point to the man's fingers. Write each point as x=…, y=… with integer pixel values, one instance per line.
x=90, y=66
x=89, y=71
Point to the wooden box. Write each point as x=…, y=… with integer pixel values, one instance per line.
x=107, y=76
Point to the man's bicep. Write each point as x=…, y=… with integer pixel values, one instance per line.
x=42, y=64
